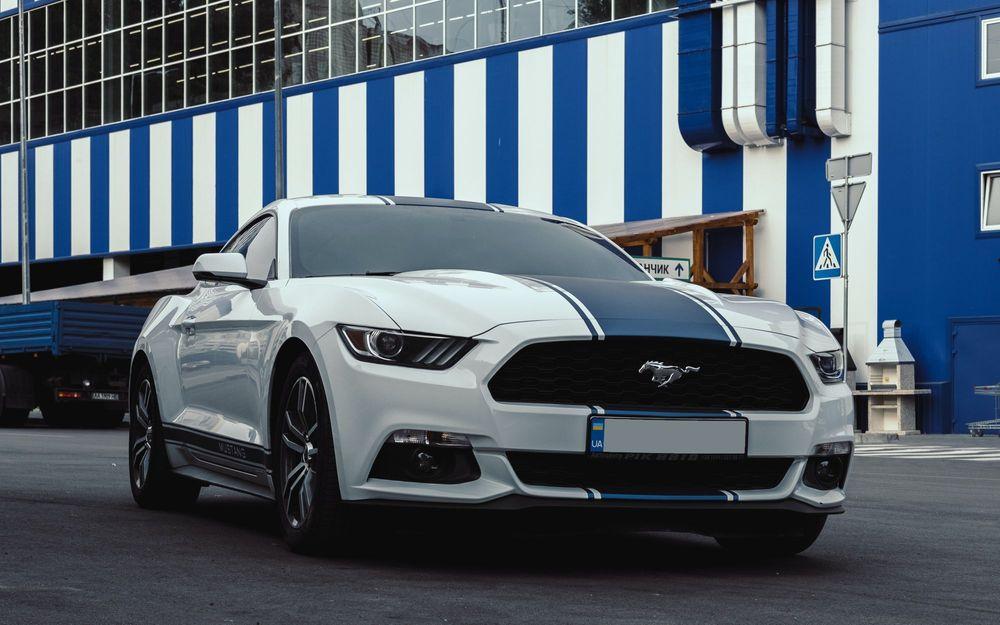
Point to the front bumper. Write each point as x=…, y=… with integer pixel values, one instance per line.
x=369, y=401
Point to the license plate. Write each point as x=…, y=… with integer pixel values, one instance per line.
x=634, y=435
x=104, y=396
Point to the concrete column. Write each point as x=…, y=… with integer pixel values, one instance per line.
x=116, y=267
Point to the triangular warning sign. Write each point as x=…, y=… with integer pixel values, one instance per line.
x=827, y=257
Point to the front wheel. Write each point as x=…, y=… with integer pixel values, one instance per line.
x=153, y=484
x=786, y=537
x=312, y=515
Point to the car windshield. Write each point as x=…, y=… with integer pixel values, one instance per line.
x=367, y=240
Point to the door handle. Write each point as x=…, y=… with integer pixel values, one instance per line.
x=187, y=326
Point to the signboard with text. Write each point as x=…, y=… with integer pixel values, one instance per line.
x=660, y=267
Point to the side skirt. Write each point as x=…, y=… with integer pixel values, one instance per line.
x=220, y=461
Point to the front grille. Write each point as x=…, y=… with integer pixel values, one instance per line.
x=606, y=373
x=622, y=473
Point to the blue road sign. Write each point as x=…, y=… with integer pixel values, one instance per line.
x=826, y=257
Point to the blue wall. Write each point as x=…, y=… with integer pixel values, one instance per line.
x=937, y=126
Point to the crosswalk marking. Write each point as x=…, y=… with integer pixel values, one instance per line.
x=909, y=452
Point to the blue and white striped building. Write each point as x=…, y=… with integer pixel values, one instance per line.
x=601, y=110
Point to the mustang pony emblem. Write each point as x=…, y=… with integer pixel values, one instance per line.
x=666, y=374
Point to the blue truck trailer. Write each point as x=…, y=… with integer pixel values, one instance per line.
x=70, y=359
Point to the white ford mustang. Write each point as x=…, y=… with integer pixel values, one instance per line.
x=346, y=350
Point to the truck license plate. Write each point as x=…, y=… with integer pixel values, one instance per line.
x=104, y=396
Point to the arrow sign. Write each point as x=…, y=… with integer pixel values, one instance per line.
x=848, y=197
x=849, y=167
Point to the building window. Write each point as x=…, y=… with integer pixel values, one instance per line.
x=93, y=62
x=990, y=41
x=990, y=201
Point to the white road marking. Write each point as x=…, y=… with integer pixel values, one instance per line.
x=975, y=454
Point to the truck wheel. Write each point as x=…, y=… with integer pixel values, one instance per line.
x=10, y=417
x=154, y=485
x=785, y=538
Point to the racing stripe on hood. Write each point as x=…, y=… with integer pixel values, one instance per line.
x=592, y=323
x=618, y=308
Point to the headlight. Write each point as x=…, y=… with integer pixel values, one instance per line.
x=407, y=349
x=829, y=366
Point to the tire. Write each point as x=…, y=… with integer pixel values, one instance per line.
x=154, y=485
x=10, y=417
x=313, y=517
x=787, y=537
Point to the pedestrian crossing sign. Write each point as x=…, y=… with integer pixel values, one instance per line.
x=826, y=257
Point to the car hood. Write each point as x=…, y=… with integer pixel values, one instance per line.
x=468, y=303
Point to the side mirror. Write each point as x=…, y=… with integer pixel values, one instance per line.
x=229, y=268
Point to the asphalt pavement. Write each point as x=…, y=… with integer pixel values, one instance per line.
x=920, y=543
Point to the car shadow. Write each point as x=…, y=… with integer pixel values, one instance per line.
x=498, y=544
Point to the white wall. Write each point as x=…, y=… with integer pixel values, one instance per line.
x=862, y=96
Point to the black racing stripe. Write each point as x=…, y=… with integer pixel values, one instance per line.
x=645, y=308
x=576, y=307
x=232, y=449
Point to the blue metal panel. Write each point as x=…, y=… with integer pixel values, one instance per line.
x=62, y=224
x=807, y=214
x=99, y=195
x=699, y=59
x=181, y=181
x=777, y=64
x=569, y=129
x=643, y=123
x=139, y=188
x=381, y=128
x=227, y=146
x=267, y=153
x=722, y=191
x=65, y=327
x=439, y=132
x=800, y=88
x=501, y=129
x=974, y=351
x=936, y=128
x=326, y=141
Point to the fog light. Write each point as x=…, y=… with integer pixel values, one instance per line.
x=425, y=463
x=825, y=472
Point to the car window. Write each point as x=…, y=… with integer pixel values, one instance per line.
x=358, y=240
x=260, y=251
x=258, y=244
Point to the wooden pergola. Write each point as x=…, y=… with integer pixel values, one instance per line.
x=646, y=233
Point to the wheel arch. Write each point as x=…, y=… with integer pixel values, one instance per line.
x=292, y=348
x=139, y=360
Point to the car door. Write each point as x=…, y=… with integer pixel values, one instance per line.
x=225, y=333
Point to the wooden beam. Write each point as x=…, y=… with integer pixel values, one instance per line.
x=749, y=243
x=697, y=255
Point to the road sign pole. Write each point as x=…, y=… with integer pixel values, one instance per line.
x=279, y=107
x=844, y=271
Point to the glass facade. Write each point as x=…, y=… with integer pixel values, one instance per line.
x=93, y=62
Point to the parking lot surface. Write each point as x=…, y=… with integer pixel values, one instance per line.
x=920, y=543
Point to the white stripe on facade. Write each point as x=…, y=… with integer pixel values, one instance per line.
x=863, y=331
x=764, y=188
x=353, y=138
x=534, y=129
x=470, y=131
x=159, y=185
x=299, y=163
x=681, y=177
x=250, y=169
x=408, y=130
x=118, y=191
x=44, y=189
x=606, y=129
x=203, y=178
x=9, y=5
x=80, y=196
x=10, y=223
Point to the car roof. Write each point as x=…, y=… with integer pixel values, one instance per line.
x=389, y=200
